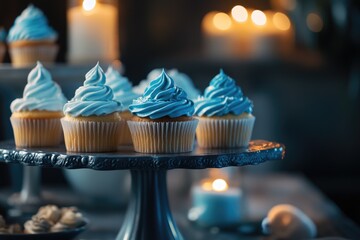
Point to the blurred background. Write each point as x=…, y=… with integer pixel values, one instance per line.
x=298, y=60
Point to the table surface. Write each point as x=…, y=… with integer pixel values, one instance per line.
x=261, y=191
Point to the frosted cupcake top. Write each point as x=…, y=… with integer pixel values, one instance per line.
x=184, y=81
x=181, y=80
x=31, y=25
x=2, y=34
x=40, y=93
x=222, y=97
x=162, y=99
x=121, y=87
x=94, y=98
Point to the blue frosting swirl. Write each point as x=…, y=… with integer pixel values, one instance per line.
x=40, y=93
x=162, y=99
x=222, y=97
x=121, y=87
x=2, y=34
x=31, y=25
x=94, y=97
x=181, y=80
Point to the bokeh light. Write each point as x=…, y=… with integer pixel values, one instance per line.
x=258, y=17
x=222, y=21
x=281, y=21
x=239, y=13
x=314, y=22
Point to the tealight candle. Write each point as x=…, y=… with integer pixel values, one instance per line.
x=216, y=204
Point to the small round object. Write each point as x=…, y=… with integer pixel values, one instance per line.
x=288, y=222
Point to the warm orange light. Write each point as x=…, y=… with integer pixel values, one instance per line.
x=222, y=21
x=207, y=23
x=207, y=186
x=219, y=185
x=284, y=4
x=239, y=13
x=258, y=17
x=89, y=5
x=314, y=22
x=281, y=21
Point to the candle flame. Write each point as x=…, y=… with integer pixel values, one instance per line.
x=239, y=13
x=219, y=185
x=222, y=21
x=258, y=17
x=89, y=5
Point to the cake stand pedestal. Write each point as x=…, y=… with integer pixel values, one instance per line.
x=148, y=214
x=30, y=198
x=30, y=193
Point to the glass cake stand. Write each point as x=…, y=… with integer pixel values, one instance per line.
x=148, y=214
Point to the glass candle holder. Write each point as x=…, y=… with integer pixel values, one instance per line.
x=217, y=199
x=93, y=32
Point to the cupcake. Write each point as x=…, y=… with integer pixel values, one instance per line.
x=92, y=122
x=162, y=121
x=123, y=93
x=31, y=39
x=36, y=117
x=2, y=45
x=181, y=80
x=224, y=113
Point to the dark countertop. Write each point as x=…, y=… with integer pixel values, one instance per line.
x=262, y=191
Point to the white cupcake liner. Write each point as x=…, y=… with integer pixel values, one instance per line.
x=163, y=137
x=90, y=136
x=224, y=133
x=28, y=55
x=36, y=132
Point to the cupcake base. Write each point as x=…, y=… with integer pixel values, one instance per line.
x=27, y=53
x=93, y=134
x=125, y=136
x=224, y=132
x=174, y=136
x=38, y=131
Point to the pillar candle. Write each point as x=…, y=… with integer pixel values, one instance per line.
x=93, y=33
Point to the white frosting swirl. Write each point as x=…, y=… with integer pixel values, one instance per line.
x=40, y=93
